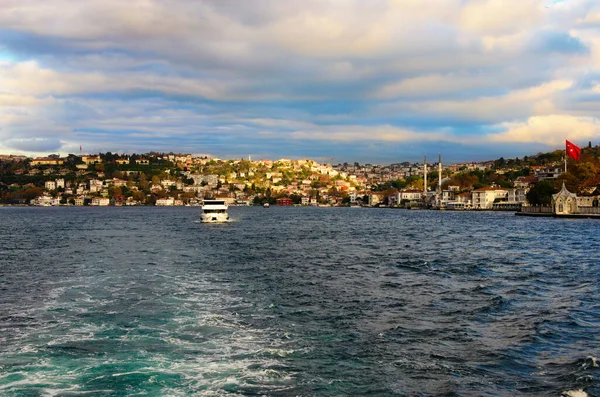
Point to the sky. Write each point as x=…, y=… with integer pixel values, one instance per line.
x=377, y=81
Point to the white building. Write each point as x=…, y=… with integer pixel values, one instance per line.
x=100, y=201
x=165, y=202
x=564, y=202
x=517, y=195
x=60, y=183
x=483, y=198
x=50, y=185
x=97, y=183
x=42, y=201
x=461, y=201
x=408, y=195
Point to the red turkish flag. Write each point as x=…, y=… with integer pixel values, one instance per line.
x=573, y=151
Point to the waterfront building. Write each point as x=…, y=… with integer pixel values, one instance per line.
x=100, y=201
x=517, y=195
x=284, y=201
x=483, y=198
x=461, y=201
x=43, y=201
x=164, y=202
x=564, y=202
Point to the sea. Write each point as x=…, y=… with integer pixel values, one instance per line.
x=288, y=301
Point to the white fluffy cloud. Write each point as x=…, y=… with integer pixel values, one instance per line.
x=552, y=129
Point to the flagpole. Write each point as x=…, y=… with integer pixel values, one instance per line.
x=565, y=161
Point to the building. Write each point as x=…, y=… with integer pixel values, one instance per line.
x=525, y=181
x=167, y=183
x=165, y=202
x=543, y=173
x=564, y=202
x=483, y=198
x=142, y=161
x=117, y=182
x=284, y=202
x=517, y=195
x=47, y=161
x=50, y=185
x=408, y=195
x=100, y=201
x=43, y=201
x=212, y=179
x=91, y=159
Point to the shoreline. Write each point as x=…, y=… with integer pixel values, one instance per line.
x=546, y=215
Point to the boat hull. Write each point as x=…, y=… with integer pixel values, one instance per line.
x=214, y=218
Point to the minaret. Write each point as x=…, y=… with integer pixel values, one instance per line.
x=425, y=176
x=440, y=175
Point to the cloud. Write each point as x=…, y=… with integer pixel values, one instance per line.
x=498, y=18
x=34, y=144
x=550, y=129
x=548, y=42
x=226, y=78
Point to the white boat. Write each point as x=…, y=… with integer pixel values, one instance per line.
x=214, y=211
x=266, y=205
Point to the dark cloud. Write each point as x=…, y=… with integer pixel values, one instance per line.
x=34, y=144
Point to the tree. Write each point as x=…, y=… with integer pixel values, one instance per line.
x=500, y=163
x=541, y=193
x=571, y=182
x=116, y=191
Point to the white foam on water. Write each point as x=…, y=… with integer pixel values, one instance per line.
x=73, y=392
x=214, y=351
x=574, y=393
x=27, y=349
x=590, y=362
x=29, y=379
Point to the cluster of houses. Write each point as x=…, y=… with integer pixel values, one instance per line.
x=484, y=198
x=313, y=183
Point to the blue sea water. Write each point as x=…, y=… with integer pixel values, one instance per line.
x=296, y=302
